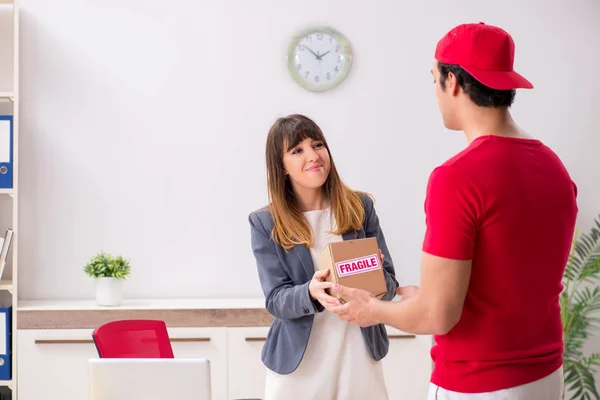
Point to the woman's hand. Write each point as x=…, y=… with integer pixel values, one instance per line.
x=407, y=291
x=316, y=289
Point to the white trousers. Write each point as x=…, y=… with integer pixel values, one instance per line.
x=336, y=366
x=547, y=388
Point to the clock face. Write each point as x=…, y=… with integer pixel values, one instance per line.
x=319, y=59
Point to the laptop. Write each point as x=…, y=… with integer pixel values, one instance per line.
x=149, y=379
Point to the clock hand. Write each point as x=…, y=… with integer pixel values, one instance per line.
x=315, y=54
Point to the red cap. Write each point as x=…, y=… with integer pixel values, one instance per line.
x=484, y=51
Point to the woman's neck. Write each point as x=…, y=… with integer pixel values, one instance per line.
x=311, y=199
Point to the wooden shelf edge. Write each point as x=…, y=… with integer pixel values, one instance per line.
x=6, y=285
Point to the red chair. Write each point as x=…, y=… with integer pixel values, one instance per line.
x=133, y=339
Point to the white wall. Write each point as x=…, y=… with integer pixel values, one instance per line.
x=143, y=126
x=6, y=49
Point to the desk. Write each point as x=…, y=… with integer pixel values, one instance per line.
x=54, y=345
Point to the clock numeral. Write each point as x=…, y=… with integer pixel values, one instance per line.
x=319, y=36
x=307, y=72
x=301, y=47
x=317, y=78
x=337, y=48
x=328, y=75
x=298, y=67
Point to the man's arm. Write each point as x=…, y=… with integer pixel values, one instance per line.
x=433, y=309
x=437, y=305
x=452, y=208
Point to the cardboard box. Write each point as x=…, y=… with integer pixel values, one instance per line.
x=356, y=264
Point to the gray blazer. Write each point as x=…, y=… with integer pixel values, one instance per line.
x=285, y=276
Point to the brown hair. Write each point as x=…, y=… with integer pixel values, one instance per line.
x=290, y=226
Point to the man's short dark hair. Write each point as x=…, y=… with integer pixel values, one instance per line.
x=479, y=94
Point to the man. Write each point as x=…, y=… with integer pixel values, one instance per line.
x=500, y=218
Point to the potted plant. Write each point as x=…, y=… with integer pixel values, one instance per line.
x=579, y=301
x=109, y=273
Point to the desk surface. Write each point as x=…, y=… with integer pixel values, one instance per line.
x=78, y=314
x=143, y=304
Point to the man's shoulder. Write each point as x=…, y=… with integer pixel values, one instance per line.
x=457, y=172
x=467, y=161
x=466, y=156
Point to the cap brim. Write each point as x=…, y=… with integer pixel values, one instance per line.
x=499, y=80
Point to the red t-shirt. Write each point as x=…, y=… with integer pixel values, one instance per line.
x=509, y=205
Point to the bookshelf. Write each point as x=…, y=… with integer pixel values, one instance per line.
x=9, y=100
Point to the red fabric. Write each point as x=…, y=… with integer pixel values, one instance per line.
x=486, y=52
x=509, y=205
x=133, y=339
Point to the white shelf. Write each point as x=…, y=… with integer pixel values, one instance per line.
x=144, y=304
x=6, y=285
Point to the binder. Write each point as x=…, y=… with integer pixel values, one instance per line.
x=5, y=343
x=6, y=151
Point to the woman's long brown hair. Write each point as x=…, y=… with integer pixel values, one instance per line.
x=291, y=228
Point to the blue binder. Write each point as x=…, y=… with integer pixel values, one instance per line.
x=5, y=343
x=6, y=151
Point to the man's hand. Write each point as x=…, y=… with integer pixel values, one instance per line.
x=316, y=289
x=358, y=310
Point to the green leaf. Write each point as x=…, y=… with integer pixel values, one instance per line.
x=580, y=303
x=579, y=380
x=105, y=265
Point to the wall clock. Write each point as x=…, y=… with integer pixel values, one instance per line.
x=319, y=59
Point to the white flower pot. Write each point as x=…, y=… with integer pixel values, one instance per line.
x=108, y=291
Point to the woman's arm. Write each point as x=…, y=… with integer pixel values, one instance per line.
x=283, y=299
x=373, y=229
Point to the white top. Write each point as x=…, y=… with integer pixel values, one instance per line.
x=322, y=225
x=336, y=364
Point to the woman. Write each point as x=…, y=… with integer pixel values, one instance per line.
x=310, y=353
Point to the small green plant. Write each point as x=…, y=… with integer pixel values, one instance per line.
x=579, y=302
x=103, y=265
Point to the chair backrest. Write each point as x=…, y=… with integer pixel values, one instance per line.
x=149, y=379
x=138, y=338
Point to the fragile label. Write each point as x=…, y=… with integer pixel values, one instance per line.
x=357, y=265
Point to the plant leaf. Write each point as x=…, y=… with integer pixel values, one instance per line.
x=579, y=302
